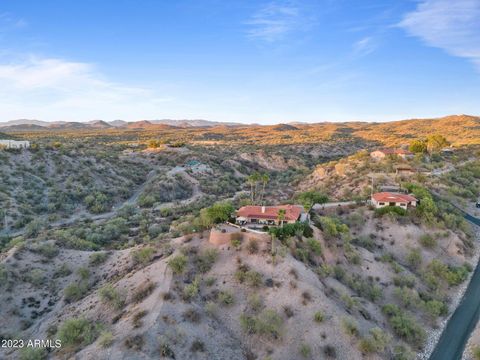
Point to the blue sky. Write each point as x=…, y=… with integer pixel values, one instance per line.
x=246, y=61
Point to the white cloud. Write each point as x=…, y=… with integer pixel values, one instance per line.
x=274, y=21
x=453, y=26
x=57, y=89
x=364, y=46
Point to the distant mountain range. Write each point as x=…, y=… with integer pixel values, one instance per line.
x=39, y=125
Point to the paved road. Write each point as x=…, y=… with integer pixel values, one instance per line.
x=452, y=342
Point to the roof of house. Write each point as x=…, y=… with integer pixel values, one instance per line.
x=389, y=151
x=292, y=212
x=392, y=197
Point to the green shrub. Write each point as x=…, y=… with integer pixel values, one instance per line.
x=404, y=325
x=428, y=241
x=393, y=210
x=414, y=258
x=305, y=350
x=226, y=298
x=98, y=258
x=143, y=256
x=30, y=353
x=105, y=339
x=350, y=327
x=77, y=333
x=319, y=316
x=205, y=261
x=376, y=342
x=314, y=246
x=178, y=264
x=47, y=250
x=84, y=273
x=252, y=246
x=111, y=296
x=142, y=291
x=191, y=290
x=75, y=291
x=35, y=277
x=268, y=323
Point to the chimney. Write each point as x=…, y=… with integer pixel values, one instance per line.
x=263, y=209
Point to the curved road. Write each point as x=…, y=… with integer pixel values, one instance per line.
x=452, y=342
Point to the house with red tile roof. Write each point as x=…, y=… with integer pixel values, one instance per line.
x=383, y=199
x=269, y=215
x=382, y=153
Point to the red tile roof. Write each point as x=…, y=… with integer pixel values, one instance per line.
x=392, y=197
x=292, y=212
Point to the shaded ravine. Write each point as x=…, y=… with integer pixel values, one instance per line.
x=454, y=337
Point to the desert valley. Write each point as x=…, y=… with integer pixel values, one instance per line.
x=202, y=240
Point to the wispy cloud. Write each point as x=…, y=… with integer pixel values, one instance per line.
x=453, y=26
x=8, y=21
x=364, y=46
x=273, y=21
x=40, y=87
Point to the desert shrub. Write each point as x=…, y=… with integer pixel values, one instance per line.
x=135, y=342
x=318, y=316
x=331, y=227
x=137, y=318
x=392, y=210
x=330, y=351
x=142, y=291
x=435, y=308
x=414, y=258
x=211, y=308
x=476, y=352
x=255, y=303
x=314, y=246
x=197, y=346
x=428, y=241
x=30, y=353
x=205, y=261
x=75, y=291
x=191, y=315
x=236, y=243
x=289, y=230
x=350, y=327
x=268, y=323
x=143, y=256
x=253, y=278
x=84, y=273
x=36, y=277
x=98, y=258
x=111, y=296
x=252, y=246
x=404, y=281
x=47, y=250
x=105, y=339
x=62, y=271
x=178, y=264
x=191, y=290
x=305, y=350
x=166, y=351
x=436, y=271
x=376, y=342
x=404, y=325
x=365, y=242
x=226, y=298
x=77, y=333
x=3, y=274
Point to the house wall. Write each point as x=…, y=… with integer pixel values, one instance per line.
x=403, y=205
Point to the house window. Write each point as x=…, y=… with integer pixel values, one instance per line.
x=381, y=203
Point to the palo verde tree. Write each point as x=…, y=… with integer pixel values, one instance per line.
x=310, y=198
